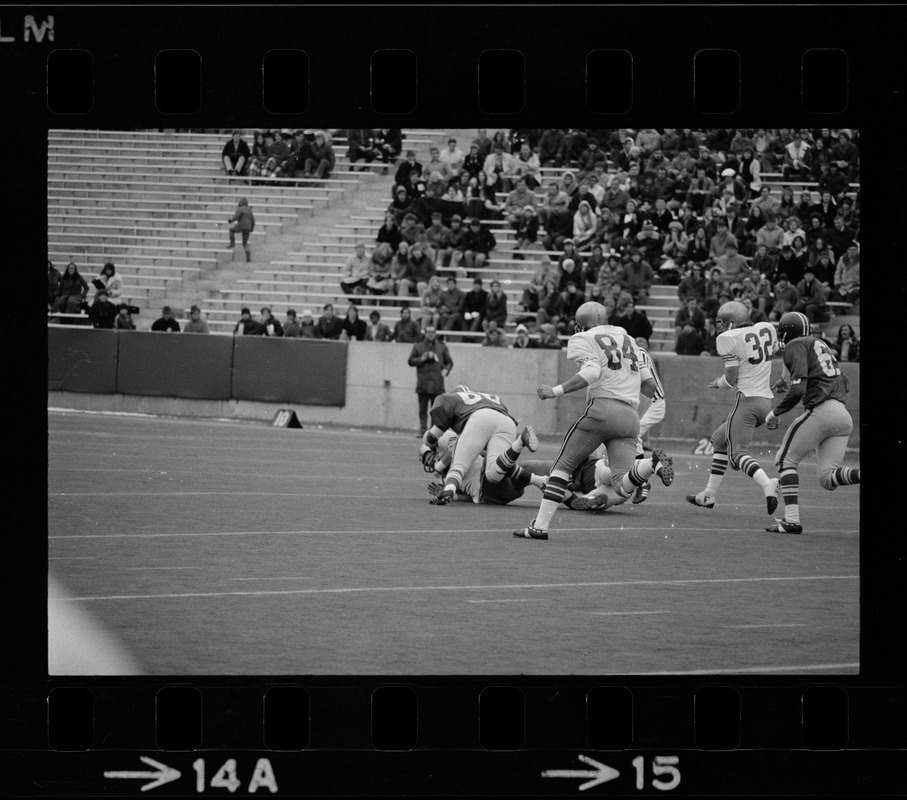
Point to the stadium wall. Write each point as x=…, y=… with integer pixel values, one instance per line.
x=356, y=384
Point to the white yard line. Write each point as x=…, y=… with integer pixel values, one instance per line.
x=761, y=670
x=467, y=588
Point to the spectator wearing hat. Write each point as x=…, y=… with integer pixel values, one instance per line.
x=522, y=340
x=123, y=320
x=166, y=322
x=834, y=180
x=235, y=155
x=306, y=325
x=102, y=312
x=376, y=330
x=847, y=275
x=478, y=243
x=406, y=329
x=270, y=323
x=571, y=268
x=72, y=290
x=648, y=241
x=328, y=325
x=113, y=283
x=196, y=324
x=320, y=159
x=731, y=186
x=676, y=243
x=401, y=204
x=292, y=328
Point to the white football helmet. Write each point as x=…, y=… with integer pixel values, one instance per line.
x=731, y=315
x=589, y=315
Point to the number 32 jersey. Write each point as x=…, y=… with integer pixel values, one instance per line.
x=750, y=349
x=622, y=368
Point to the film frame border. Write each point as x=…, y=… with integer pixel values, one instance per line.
x=874, y=102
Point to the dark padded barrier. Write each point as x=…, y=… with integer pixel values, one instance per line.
x=300, y=371
x=175, y=365
x=82, y=360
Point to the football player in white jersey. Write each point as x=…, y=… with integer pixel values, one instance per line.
x=610, y=372
x=747, y=350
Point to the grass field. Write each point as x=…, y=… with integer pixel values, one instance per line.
x=215, y=547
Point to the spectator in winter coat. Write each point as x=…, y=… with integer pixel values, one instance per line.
x=361, y=143
x=102, y=312
x=477, y=244
x=321, y=158
x=376, y=330
x=640, y=278
x=494, y=336
x=634, y=322
x=495, y=306
x=278, y=163
x=847, y=275
x=270, y=323
x=770, y=235
x=328, y=326
x=406, y=329
x=352, y=327
x=692, y=285
x=356, y=272
x=785, y=296
x=419, y=270
x=235, y=155
x=113, y=283
x=474, y=303
x=433, y=363
x=244, y=221
x=811, y=296
x=551, y=148
x=123, y=321
x=166, y=323
x=72, y=290
x=452, y=302
x=196, y=324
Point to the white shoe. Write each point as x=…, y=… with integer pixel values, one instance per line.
x=702, y=500
x=771, y=495
x=530, y=439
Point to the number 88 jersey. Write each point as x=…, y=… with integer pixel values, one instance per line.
x=750, y=349
x=617, y=353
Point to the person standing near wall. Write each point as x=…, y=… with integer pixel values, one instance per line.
x=433, y=363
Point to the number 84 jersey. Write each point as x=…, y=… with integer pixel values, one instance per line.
x=618, y=355
x=750, y=348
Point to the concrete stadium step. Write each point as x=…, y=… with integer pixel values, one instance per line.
x=129, y=213
x=201, y=199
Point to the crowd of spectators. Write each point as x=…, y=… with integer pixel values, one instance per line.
x=280, y=154
x=710, y=211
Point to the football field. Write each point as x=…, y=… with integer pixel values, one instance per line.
x=216, y=548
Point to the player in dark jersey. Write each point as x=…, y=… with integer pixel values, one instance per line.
x=817, y=381
x=482, y=422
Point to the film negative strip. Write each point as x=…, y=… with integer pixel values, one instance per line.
x=227, y=637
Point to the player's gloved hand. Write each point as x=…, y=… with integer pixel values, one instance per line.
x=428, y=456
x=771, y=421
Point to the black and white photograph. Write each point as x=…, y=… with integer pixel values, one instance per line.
x=465, y=400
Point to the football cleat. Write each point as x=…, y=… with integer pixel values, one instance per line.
x=771, y=495
x=531, y=532
x=702, y=500
x=589, y=502
x=663, y=465
x=642, y=493
x=529, y=439
x=783, y=526
x=442, y=498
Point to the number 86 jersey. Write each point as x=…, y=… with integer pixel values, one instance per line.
x=750, y=349
x=618, y=356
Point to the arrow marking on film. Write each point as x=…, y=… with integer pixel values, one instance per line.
x=163, y=775
x=601, y=774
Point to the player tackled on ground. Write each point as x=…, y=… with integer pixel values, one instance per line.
x=816, y=379
x=482, y=422
x=747, y=350
x=611, y=374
